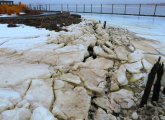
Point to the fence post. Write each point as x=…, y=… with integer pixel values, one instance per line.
x=84, y=8
x=30, y=6
x=76, y=8
x=112, y=8
x=40, y=7
x=49, y=7
x=101, y=8
x=91, y=8
x=140, y=9
x=61, y=7
x=125, y=10
x=155, y=9
x=67, y=7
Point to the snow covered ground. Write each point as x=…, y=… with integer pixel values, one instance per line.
x=26, y=37
x=56, y=70
x=148, y=27
x=5, y=15
x=22, y=37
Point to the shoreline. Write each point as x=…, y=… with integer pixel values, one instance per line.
x=152, y=44
x=86, y=72
x=140, y=25
x=50, y=21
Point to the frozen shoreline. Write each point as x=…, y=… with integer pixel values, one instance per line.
x=82, y=73
x=20, y=39
x=147, y=27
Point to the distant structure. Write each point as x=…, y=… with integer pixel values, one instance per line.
x=3, y=2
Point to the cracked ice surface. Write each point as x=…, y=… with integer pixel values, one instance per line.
x=148, y=27
x=22, y=37
x=57, y=76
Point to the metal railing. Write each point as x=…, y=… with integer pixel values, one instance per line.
x=121, y=9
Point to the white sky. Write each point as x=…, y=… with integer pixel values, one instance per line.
x=90, y=1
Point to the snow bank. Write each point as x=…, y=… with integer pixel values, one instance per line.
x=6, y=15
x=22, y=37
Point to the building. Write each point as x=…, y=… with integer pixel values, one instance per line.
x=2, y=2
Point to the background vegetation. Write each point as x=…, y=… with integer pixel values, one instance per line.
x=12, y=9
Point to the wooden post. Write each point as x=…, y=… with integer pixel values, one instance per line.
x=105, y=24
x=91, y=8
x=155, y=9
x=101, y=9
x=125, y=10
x=112, y=8
x=140, y=9
x=76, y=8
x=84, y=8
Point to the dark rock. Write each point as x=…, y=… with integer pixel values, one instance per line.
x=164, y=91
x=12, y=25
x=76, y=15
x=115, y=114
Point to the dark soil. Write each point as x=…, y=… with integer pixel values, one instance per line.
x=50, y=22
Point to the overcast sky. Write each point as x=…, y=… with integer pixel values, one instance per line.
x=90, y=1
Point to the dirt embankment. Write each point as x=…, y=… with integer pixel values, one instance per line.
x=50, y=22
